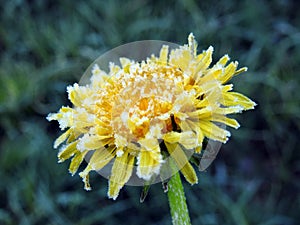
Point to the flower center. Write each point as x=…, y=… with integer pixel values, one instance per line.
x=143, y=114
x=145, y=100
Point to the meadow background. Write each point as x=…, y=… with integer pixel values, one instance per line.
x=47, y=45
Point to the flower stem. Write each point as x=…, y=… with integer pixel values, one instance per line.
x=177, y=201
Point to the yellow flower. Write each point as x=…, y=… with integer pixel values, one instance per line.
x=138, y=114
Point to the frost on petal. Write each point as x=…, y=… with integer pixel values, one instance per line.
x=126, y=63
x=188, y=139
x=225, y=120
x=149, y=163
x=96, y=70
x=98, y=77
x=182, y=163
x=120, y=174
x=234, y=99
x=181, y=57
x=81, y=96
x=120, y=141
x=76, y=161
x=91, y=142
x=149, y=159
x=229, y=72
x=67, y=151
x=62, y=138
x=64, y=117
x=214, y=132
x=192, y=44
x=163, y=55
x=204, y=62
x=100, y=158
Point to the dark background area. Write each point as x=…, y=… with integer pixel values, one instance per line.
x=47, y=45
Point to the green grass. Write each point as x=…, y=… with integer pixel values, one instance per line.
x=47, y=45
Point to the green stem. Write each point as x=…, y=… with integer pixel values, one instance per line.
x=177, y=201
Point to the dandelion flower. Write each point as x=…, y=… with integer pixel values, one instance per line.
x=139, y=112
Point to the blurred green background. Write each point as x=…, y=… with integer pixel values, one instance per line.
x=47, y=45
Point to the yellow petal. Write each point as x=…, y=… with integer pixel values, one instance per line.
x=214, y=132
x=113, y=69
x=64, y=117
x=73, y=136
x=99, y=77
x=189, y=125
x=223, y=60
x=225, y=120
x=100, y=158
x=228, y=72
x=228, y=110
x=188, y=139
x=201, y=113
x=234, y=98
x=163, y=55
x=85, y=177
x=73, y=95
x=90, y=142
x=148, y=164
x=150, y=144
x=62, y=138
x=182, y=162
x=241, y=70
x=180, y=58
x=227, y=87
x=196, y=128
x=202, y=103
x=205, y=61
x=76, y=161
x=125, y=62
x=67, y=152
x=192, y=44
x=149, y=159
x=189, y=173
x=210, y=86
x=172, y=137
x=184, y=126
x=120, y=174
x=212, y=74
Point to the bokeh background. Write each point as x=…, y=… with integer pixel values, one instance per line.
x=47, y=45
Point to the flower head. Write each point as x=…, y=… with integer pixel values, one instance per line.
x=140, y=113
